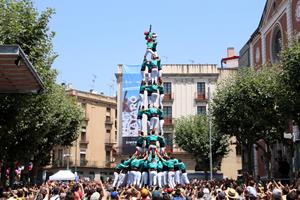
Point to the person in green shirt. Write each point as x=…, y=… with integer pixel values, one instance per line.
x=161, y=121
x=169, y=162
x=152, y=170
x=152, y=91
x=145, y=64
x=160, y=174
x=162, y=145
x=151, y=142
x=151, y=45
x=140, y=118
x=144, y=170
x=140, y=144
x=119, y=175
x=134, y=176
x=154, y=69
x=143, y=88
x=154, y=120
x=184, y=177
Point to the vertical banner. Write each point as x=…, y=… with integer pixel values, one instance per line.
x=130, y=96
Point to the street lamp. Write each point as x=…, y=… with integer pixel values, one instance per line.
x=210, y=124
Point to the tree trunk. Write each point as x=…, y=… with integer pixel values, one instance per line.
x=34, y=172
x=11, y=173
x=250, y=159
x=3, y=174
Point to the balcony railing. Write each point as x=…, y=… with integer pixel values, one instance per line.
x=168, y=97
x=200, y=96
x=110, y=141
x=108, y=121
x=168, y=121
x=83, y=141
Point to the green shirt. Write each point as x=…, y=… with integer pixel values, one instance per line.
x=159, y=165
x=161, y=114
x=136, y=163
x=140, y=141
x=140, y=114
x=147, y=112
x=143, y=88
x=154, y=111
x=152, y=88
x=161, y=89
x=127, y=162
x=121, y=166
x=181, y=166
x=169, y=163
x=161, y=141
x=155, y=63
x=152, y=165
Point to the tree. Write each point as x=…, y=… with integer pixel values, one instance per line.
x=248, y=107
x=31, y=125
x=290, y=65
x=192, y=136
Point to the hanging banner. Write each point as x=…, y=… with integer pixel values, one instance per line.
x=130, y=87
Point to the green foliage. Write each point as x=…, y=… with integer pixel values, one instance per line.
x=290, y=65
x=21, y=24
x=192, y=136
x=248, y=106
x=32, y=124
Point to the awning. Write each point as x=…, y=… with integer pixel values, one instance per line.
x=17, y=75
x=62, y=175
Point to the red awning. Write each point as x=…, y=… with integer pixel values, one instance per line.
x=17, y=75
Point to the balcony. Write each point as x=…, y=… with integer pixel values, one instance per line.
x=109, y=143
x=84, y=141
x=108, y=121
x=83, y=162
x=168, y=97
x=200, y=97
x=168, y=121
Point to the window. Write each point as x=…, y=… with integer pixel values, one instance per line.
x=83, y=157
x=201, y=110
x=168, y=87
x=108, y=119
x=83, y=136
x=168, y=111
x=201, y=87
x=276, y=44
x=116, y=135
x=107, y=155
x=108, y=110
x=108, y=131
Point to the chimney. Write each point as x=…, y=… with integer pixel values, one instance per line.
x=230, y=52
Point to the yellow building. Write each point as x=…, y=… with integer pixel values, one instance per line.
x=93, y=153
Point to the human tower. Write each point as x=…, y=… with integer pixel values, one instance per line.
x=150, y=165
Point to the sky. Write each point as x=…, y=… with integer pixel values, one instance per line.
x=94, y=36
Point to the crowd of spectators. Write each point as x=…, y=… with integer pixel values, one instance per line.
x=227, y=189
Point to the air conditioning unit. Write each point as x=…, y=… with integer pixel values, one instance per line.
x=296, y=133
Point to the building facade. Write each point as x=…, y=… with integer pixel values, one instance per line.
x=278, y=27
x=186, y=90
x=279, y=24
x=93, y=153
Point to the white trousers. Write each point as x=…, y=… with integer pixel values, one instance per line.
x=184, y=179
x=178, y=177
x=153, y=178
x=171, y=179
x=149, y=51
x=142, y=100
x=137, y=178
x=161, y=98
x=162, y=150
x=144, y=180
x=161, y=126
x=160, y=179
x=130, y=178
x=143, y=75
x=140, y=124
x=116, y=177
x=121, y=179
x=154, y=75
x=154, y=97
x=153, y=123
x=165, y=180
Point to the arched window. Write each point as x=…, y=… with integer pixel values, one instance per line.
x=276, y=44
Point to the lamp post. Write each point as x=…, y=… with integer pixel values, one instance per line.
x=209, y=125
